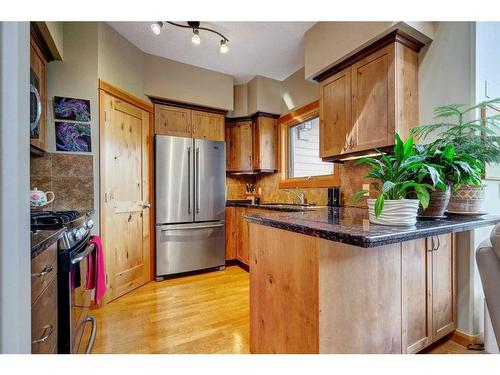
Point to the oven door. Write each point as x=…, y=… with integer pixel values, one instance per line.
x=81, y=295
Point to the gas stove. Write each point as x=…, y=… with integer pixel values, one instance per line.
x=77, y=224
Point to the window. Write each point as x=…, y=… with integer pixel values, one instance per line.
x=300, y=164
x=303, y=150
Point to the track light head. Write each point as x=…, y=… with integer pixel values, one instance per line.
x=156, y=27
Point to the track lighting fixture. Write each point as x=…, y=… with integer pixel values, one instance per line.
x=195, y=26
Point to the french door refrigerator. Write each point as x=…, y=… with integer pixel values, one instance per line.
x=190, y=191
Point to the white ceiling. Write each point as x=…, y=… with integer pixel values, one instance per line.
x=270, y=49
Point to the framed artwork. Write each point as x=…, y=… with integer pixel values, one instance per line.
x=71, y=109
x=73, y=137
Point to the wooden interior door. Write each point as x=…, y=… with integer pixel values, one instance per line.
x=208, y=125
x=174, y=121
x=336, y=127
x=443, y=285
x=373, y=95
x=416, y=282
x=125, y=194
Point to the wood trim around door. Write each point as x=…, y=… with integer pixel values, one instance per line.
x=123, y=95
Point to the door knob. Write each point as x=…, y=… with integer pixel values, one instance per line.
x=146, y=205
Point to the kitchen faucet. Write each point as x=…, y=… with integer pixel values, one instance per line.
x=299, y=194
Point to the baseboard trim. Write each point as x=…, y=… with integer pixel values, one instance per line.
x=463, y=338
x=236, y=262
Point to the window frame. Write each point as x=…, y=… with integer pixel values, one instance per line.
x=286, y=121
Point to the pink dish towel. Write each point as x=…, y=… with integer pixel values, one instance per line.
x=96, y=276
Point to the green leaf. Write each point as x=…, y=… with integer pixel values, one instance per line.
x=379, y=205
x=399, y=148
x=388, y=185
x=422, y=195
x=357, y=196
x=408, y=147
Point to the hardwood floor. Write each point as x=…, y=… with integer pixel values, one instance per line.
x=205, y=313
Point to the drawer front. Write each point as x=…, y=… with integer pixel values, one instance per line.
x=43, y=271
x=44, y=321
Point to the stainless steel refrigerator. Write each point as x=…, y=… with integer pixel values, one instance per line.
x=190, y=191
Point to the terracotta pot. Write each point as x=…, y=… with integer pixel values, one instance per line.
x=401, y=212
x=467, y=199
x=437, y=204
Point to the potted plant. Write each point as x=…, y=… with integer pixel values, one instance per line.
x=397, y=176
x=476, y=138
x=455, y=169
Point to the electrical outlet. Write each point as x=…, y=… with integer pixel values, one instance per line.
x=366, y=187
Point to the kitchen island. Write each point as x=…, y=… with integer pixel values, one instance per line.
x=328, y=281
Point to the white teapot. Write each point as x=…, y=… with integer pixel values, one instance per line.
x=39, y=199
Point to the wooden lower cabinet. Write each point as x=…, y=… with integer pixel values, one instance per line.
x=44, y=302
x=310, y=295
x=443, y=285
x=231, y=233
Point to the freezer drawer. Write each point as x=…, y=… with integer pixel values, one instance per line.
x=189, y=247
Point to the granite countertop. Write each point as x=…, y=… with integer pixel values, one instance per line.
x=351, y=225
x=42, y=239
x=247, y=204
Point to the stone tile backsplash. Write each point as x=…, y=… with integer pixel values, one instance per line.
x=69, y=176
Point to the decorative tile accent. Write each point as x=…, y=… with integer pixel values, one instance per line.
x=41, y=166
x=73, y=193
x=69, y=176
x=67, y=165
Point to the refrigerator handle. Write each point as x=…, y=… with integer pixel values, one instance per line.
x=197, y=181
x=189, y=180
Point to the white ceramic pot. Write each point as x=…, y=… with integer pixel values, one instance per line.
x=401, y=212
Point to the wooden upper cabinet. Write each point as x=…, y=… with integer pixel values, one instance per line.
x=265, y=144
x=336, y=130
x=208, y=125
x=174, y=121
x=364, y=104
x=252, y=145
x=38, y=78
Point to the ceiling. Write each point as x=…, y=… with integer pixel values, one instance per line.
x=270, y=49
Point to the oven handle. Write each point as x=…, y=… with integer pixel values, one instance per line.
x=90, y=345
x=83, y=254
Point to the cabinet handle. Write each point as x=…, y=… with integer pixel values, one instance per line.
x=47, y=269
x=45, y=334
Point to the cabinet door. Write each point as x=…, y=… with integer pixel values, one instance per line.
x=242, y=249
x=373, y=95
x=416, y=295
x=242, y=141
x=443, y=285
x=231, y=233
x=208, y=125
x=336, y=128
x=38, y=78
x=229, y=141
x=265, y=144
x=172, y=121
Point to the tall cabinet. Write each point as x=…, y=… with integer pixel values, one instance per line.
x=369, y=97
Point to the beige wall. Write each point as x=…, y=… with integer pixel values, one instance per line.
x=327, y=43
x=186, y=83
x=272, y=96
x=240, y=107
x=120, y=63
x=296, y=91
x=77, y=76
x=56, y=30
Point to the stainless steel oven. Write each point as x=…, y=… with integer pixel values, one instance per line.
x=75, y=297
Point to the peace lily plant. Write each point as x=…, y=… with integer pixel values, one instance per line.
x=399, y=176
